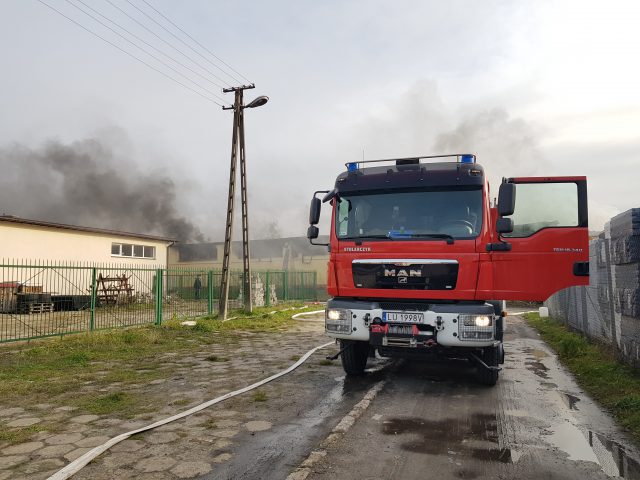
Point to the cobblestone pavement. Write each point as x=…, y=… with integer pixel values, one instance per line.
x=195, y=446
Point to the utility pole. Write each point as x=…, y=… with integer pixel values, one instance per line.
x=237, y=148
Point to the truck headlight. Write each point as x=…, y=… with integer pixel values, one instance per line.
x=338, y=320
x=476, y=320
x=476, y=327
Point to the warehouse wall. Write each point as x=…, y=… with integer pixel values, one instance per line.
x=35, y=243
x=609, y=308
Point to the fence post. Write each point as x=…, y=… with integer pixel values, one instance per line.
x=286, y=285
x=210, y=292
x=315, y=286
x=92, y=317
x=267, y=290
x=159, y=280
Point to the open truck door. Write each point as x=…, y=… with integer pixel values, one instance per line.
x=543, y=237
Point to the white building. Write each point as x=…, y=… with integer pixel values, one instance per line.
x=33, y=240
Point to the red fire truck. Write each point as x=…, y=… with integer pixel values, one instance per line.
x=421, y=263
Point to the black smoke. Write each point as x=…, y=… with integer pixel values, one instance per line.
x=89, y=183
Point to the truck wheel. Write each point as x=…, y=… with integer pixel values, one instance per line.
x=354, y=358
x=490, y=356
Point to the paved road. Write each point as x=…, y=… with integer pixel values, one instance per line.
x=434, y=422
x=427, y=421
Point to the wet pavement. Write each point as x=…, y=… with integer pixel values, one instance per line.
x=434, y=421
x=427, y=421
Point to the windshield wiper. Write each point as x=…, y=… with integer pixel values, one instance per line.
x=443, y=236
x=365, y=237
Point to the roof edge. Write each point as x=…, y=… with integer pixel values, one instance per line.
x=63, y=226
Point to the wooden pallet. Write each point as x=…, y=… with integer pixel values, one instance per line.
x=35, y=308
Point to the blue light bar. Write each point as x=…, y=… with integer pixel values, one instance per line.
x=467, y=159
x=352, y=167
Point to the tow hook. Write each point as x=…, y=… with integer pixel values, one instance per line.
x=482, y=364
x=430, y=343
x=334, y=357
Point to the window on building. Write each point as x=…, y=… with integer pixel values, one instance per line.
x=133, y=251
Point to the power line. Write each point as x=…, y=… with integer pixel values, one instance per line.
x=198, y=43
x=129, y=53
x=149, y=45
x=180, y=40
x=143, y=50
x=169, y=44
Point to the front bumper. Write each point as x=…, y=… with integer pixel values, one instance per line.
x=443, y=324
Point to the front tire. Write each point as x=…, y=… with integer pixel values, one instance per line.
x=490, y=356
x=354, y=357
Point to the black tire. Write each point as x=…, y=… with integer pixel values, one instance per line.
x=490, y=356
x=354, y=358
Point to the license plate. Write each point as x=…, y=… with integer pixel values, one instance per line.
x=403, y=317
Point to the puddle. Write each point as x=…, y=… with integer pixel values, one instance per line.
x=537, y=354
x=569, y=400
x=538, y=368
x=613, y=457
x=568, y=438
x=549, y=385
x=475, y=436
x=590, y=446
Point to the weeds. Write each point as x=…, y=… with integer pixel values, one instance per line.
x=215, y=358
x=259, y=396
x=19, y=435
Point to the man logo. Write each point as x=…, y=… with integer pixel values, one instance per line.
x=402, y=273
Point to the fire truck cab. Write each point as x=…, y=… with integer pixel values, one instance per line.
x=421, y=262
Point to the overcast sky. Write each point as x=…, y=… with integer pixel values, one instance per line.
x=545, y=87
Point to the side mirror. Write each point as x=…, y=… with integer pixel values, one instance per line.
x=312, y=232
x=507, y=199
x=504, y=225
x=314, y=212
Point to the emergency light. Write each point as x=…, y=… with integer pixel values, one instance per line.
x=467, y=159
x=352, y=167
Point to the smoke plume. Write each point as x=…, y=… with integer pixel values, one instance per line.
x=88, y=183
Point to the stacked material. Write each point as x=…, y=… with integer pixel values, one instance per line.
x=609, y=308
x=625, y=255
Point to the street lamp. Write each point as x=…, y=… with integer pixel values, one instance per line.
x=258, y=102
x=238, y=144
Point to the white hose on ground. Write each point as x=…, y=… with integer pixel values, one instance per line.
x=297, y=315
x=75, y=466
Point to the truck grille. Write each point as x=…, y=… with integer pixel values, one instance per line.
x=405, y=275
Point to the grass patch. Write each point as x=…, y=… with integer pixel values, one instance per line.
x=259, y=396
x=294, y=358
x=325, y=362
x=613, y=384
x=210, y=424
x=116, y=402
x=70, y=370
x=19, y=435
x=262, y=319
x=215, y=358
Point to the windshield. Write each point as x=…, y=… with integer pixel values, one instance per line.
x=414, y=214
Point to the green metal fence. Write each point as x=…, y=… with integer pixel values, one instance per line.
x=48, y=299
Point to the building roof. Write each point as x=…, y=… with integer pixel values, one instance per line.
x=265, y=248
x=77, y=228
